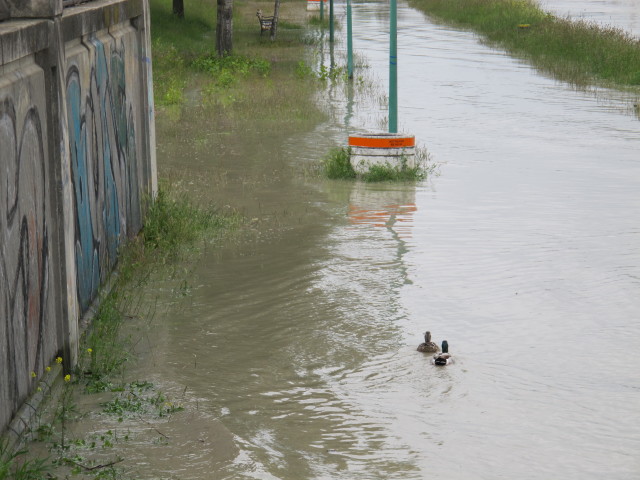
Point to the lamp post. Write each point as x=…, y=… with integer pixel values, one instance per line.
x=349, y=42
x=393, y=68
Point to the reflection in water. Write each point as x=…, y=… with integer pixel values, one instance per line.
x=300, y=336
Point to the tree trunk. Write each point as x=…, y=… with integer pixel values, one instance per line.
x=178, y=8
x=224, y=28
x=274, y=24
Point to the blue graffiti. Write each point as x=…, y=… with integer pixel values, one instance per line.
x=104, y=165
x=110, y=210
x=87, y=261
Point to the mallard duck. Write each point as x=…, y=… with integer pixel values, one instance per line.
x=428, y=346
x=443, y=358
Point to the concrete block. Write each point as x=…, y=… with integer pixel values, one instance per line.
x=96, y=16
x=4, y=10
x=34, y=8
x=394, y=150
x=20, y=38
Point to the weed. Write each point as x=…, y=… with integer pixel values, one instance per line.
x=392, y=173
x=140, y=398
x=303, y=70
x=227, y=69
x=175, y=223
x=337, y=165
x=12, y=466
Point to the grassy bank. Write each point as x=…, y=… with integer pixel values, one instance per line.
x=578, y=52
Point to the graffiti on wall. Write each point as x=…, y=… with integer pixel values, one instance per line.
x=103, y=161
x=26, y=336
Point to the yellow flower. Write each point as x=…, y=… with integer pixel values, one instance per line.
x=89, y=350
x=59, y=360
x=33, y=375
x=48, y=369
x=67, y=378
x=39, y=389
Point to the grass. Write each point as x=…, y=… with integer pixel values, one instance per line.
x=13, y=466
x=184, y=48
x=172, y=226
x=337, y=166
x=578, y=52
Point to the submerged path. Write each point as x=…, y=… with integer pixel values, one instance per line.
x=300, y=336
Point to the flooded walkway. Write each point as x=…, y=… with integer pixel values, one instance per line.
x=624, y=14
x=524, y=254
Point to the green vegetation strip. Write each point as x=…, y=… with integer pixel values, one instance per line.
x=337, y=166
x=578, y=52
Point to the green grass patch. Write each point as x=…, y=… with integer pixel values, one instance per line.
x=578, y=52
x=337, y=165
x=14, y=467
x=392, y=173
x=185, y=47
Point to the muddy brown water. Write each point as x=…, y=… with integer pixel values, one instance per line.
x=294, y=353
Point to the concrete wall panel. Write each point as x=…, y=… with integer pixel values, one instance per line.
x=77, y=160
x=28, y=337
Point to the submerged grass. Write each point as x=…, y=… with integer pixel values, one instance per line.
x=578, y=52
x=14, y=467
x=184, y=48
x=173, y=225
x=337, y=166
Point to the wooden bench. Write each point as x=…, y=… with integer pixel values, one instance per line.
x=265, y=22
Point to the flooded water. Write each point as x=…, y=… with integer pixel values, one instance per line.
x=299, y=338
x=624, y=14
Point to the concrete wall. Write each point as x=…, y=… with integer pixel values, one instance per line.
x=77, y=160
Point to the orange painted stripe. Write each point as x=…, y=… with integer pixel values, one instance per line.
x=382, y=142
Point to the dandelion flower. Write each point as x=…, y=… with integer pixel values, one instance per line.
x=89, y=350
x=33, y=375
x=67, y=378
x=58, y=360
x=48, y=369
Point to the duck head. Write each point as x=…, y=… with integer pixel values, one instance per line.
x=445, y=346
x=427, y=337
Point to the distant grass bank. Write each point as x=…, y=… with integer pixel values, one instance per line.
x=578, y=52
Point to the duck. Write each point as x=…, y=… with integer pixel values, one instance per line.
x=443, y=358
x=428, y=346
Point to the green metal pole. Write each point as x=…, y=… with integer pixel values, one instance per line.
x=321, y=12
x=393, y=68
x=349, y=41
x=330, y=21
